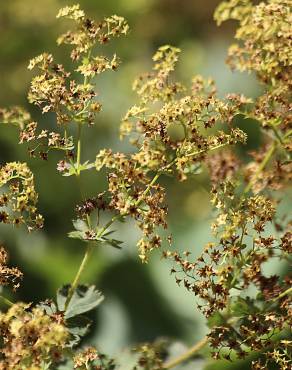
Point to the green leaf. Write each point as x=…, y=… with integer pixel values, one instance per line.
x=70, y=171
x=240, y=308
x=78, y=327
x=76, y=235
x=113, y=242
x=73, y=169
x=215, y=320
x=86, y=166
x=80, y=225
x=84, y=299
x=49, y=307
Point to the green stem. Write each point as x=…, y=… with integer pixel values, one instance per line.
x=6, y=301
x=283, y=294
x=204, y=150
x=288, y=134
x=188, y=354
x=89, y=249
x=278, y=136
x=76, y=280
x=78, y=149
x=114, y=218
x=261, y=167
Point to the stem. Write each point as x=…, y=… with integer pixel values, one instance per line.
x=188, y=354
x=114, y=218
x=261, y=167
x=204, y=150
x=278, y=136
x=76, y=280
x=146, y=191
x=78, y=149
x=6, y=301
x=89, y=248
x=286, y=292
x=288, y=134
x=198, y=346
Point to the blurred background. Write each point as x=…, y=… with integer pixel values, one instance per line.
x=142, y=301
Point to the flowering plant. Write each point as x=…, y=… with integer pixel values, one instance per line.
x=176, y=131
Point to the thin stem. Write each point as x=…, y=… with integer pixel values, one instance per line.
x=76, y=280
x=288, y=134
x=283, y=294
x=261, y=167
x=78, y=149
x=146, y=191
x=278, y=136
x=89, y=249
x=198, y=346
x=6, y=301
x=188, y=354
x=114, y=218
x=204, y=150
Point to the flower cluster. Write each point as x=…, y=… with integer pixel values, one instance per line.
x=276, y=176
x=8, y=275
x=177, y=131
x=31, y=338
x=265, y=48
x=224, y=273
x=89, y=358
x=265, y=34
x=150, y=357
x=134, y=193
x=16, y=115
x=88, y=32
x=54, y=89
x=43, y=140
x=18, y=198
x=181, y=132
x=222, y=166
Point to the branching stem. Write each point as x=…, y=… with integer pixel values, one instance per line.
x=265, y=161
x=188, y=354
x=101, y=232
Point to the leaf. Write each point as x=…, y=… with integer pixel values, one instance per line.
x=109, y=232
x=76, y=235
x=215, y=320
x=240, y=308
x=86, y=166
x=80, y=229
x=78, y=327
x=80, y=225
x=70, y=170
x=49, y=307
x=113, y=242
x=73, y=169
x=82, y=232
x=84, y=299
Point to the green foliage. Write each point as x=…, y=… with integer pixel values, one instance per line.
x=84, y=299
